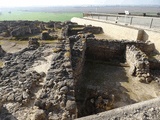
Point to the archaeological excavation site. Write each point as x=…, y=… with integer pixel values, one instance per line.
x=66, y=70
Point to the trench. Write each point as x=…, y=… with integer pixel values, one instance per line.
x=101, y=89
x=108, y=85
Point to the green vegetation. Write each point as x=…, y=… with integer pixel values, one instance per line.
x=41, y=16
x=47, y=41
x=19, y=41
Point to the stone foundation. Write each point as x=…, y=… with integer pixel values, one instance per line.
x=2, y=52
x=114, y=50
x=78, y=50
x=138, y=62
x=57, y=97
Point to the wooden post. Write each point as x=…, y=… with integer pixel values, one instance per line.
x=151, y=23
x=98, y=16
x=131, y=21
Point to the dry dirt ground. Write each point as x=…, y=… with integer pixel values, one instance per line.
x=15, y=110
x=116, y=80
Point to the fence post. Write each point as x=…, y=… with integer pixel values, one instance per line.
x=106, y=17
x=131, y=20
x=151, y=23
x=116, y=21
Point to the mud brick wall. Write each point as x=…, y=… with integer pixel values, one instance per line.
x=138, y=62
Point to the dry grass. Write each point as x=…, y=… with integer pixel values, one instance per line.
x=78, y=28
x=83, y=41
x=102, y=36
x=154, y=57
x=19, y=41
x=56, y=50
x=26, y=41
x=48, y=41
x=67, y=54
x=45, y=31
x=67, y=48
x=1, y=63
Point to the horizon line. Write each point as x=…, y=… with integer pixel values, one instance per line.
x=147, y=5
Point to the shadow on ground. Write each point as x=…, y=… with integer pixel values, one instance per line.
x=6, y=115
x=105, y=78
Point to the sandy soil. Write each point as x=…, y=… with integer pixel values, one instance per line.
x=13, y=46
x=25, y=112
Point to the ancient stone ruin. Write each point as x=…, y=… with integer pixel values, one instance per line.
x=2, y=52
x=76, y=83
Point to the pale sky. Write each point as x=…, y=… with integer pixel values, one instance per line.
x=26, y=3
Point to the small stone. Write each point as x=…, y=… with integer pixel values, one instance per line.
x=42, y=74
x=64, y=89
x=62, y=104
x=1, y=106
x=48, y=105
x=39, y=115
x=71, y=106
x=67, y=64
x=11, y=97
x=25, y=95
x=18, y=98
x=53, y=117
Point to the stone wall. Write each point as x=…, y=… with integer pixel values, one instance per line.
x=78, y=48
x=120, y=32
x=114, y=50
x=154, y=64
x=138, y=62
x=57, y=96
x=2, y=52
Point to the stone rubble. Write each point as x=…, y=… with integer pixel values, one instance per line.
x=2, y=52
x=139, y=63
x=57, y=95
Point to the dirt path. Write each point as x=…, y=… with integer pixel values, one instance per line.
x=11, y=46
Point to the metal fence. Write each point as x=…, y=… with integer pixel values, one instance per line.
x=148, y=22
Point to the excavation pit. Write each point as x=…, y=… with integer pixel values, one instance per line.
x=103, y=77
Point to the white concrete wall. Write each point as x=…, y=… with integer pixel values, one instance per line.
x=113, y=30
x=119, y=112
x=154, y=37
x=120, y=32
